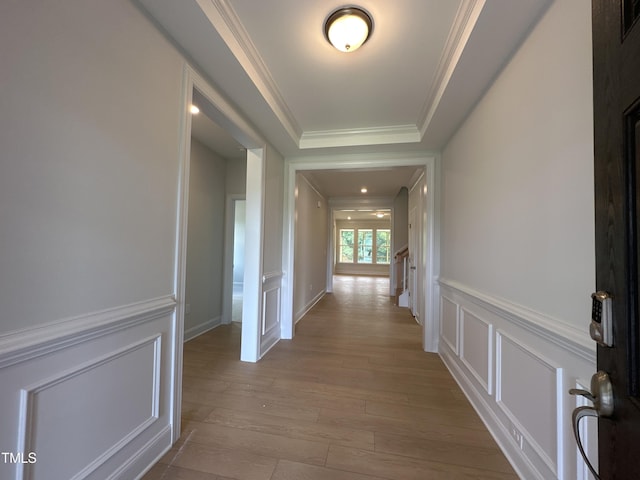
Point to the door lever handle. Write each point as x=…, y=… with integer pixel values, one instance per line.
x=582, y=393
x=578, y=414
x=601, y=395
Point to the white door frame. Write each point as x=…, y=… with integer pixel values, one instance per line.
x=224, y=114
x=429, y=308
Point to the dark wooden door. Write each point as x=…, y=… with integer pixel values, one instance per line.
x=616, y=66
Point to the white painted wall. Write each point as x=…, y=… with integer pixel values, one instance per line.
x=311, y=237
x=89, y=145
x=205, y=240
x=518, y=177
x=89, y=159
x=517, y=245
x=236, y=178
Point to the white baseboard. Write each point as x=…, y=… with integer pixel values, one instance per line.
x=309, y=306
x=520, y=464
x=198, y=330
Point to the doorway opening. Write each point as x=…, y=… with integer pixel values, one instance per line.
x=208, y=173
x=424, y=196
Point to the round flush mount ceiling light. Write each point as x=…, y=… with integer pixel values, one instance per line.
x=348, y=28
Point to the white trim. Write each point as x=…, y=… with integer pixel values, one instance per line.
x=27, y=344
x=454, y=347
x=253, y=256
x=361, y=136
x=226, y=22
x=552, y=464
x=309, y=306
x=269, y=276
x=270, y=336
x=140, y=460
x=463, y=25
x=488, y=385
x=204, y=327
x=551, y=329
x=27, y=404
x=522, y=465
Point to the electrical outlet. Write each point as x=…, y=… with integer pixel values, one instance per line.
x=517, y=436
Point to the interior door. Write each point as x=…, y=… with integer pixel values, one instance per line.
x=616, y=57
x=412, y=260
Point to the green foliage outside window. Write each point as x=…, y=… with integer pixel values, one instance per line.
x=365, y=246
x=346, y=245
x=383, y=246
x=372, y=246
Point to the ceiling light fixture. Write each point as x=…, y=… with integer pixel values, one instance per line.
x=194, y=110
x=363, y=190
x=348, y=28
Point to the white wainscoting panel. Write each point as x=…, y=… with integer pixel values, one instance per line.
x=476, y=347
x=516, y=367
x=526, y=391
x=270, y=326
x=93, y=405
x=449, y=321
x=119, y=398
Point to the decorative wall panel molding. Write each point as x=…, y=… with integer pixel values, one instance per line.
x=118, y=418
x=551, y=329
x=25, y=344
x=516, y=372
x=449, y=322
x=519, y=373
x=91, y=405
x=476, y=347
x=270, y=325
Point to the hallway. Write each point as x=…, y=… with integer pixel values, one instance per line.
x=353, y=396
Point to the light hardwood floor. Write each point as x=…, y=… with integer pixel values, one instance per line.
x=352, y=397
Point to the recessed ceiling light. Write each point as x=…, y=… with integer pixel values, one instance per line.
x=380, y=215
x=194, y=110
x=363, y=190
x=348, y=28
x=348, y=218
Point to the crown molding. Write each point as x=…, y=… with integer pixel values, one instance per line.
x=463, y=25
x=361, y=136
x=228, y=25
x=370, y=160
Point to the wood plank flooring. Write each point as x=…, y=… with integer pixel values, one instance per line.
x=352, y=397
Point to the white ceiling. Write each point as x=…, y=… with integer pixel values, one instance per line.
x=408, y=88
x=379, y=182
